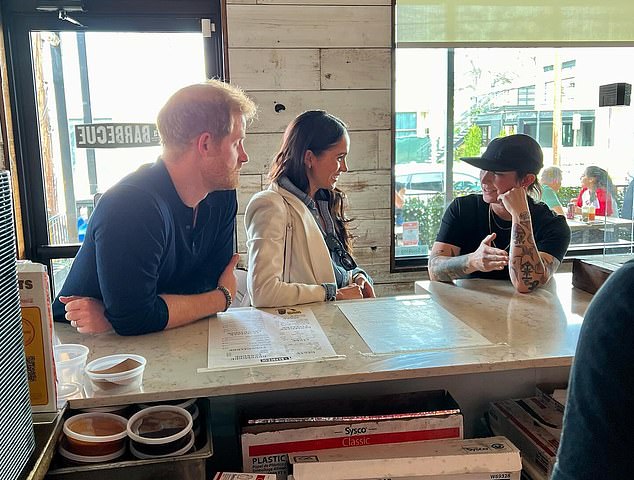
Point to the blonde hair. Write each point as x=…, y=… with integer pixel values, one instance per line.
x=551, y=174
x=202, y=107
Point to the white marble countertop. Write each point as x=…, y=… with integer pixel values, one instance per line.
x=526, y=331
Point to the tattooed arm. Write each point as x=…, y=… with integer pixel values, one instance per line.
x=446, y=263
x=528, y=267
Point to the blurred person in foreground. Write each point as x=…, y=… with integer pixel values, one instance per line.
x=298, y=237
x=596, y=439
x=550, y=179
x=502, y=233
x=158, y=251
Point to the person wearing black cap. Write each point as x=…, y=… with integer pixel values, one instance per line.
x=502, y=233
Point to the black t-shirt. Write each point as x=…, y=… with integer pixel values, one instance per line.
x=466, y=223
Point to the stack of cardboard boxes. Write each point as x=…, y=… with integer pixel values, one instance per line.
x=534, y=426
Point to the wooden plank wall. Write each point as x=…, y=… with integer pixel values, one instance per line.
x=333, y=55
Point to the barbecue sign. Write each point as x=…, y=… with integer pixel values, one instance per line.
x=116, y=135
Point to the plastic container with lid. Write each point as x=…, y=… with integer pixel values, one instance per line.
x=66, y=391
x=162, y=430
x=70, y=360
x=95, y=434
x=71, y=458
x=186, y=448
x=116, y=374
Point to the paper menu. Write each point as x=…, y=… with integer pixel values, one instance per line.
x=247, y=337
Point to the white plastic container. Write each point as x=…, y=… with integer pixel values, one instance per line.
x=160, y=431
x=66, y=391
x=115, y=383
x=70, y=360
x=144, y=456
x=95, y=434
x=73, y=458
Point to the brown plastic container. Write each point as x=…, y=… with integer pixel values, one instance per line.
x=95, y=434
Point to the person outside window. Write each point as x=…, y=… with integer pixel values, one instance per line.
x=158, y=251
x=628, y=201
x=597, y=190
x=298, y=237
x=399, y=202
x=551, y=183
x=502, y=233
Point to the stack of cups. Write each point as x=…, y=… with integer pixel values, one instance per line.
x=70, y=360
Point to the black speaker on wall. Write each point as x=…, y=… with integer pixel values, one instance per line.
x=16, y=425
x=614, y=94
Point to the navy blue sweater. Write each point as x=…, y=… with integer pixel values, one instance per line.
x=141, y=242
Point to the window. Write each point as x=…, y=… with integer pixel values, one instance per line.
x=405, y=124
x=526, y=95
x=494, y=92
x=74, y=86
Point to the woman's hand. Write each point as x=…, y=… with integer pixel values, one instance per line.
x=366, y=287
x=351, y=292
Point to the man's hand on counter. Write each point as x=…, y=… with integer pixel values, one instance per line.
x=86, y=314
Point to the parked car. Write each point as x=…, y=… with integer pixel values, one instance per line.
x=425, y=179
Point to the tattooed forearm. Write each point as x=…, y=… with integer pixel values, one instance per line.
x=443, y=268
x=527, y=268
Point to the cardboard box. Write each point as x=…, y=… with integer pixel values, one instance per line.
x=552, y=393
x=473, y=459
x=532, y=425
x=270, y=434
x=243, y=476
x=37, y=328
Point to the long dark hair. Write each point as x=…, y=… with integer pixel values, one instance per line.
x=317, y=131
x=602, y=179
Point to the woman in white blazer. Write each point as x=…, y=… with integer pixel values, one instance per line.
x=297, y=235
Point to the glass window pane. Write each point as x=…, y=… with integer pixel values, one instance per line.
x=550, y=94
x=420, y=152
x=97, y=78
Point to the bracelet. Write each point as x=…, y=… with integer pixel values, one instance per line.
x=227, y=295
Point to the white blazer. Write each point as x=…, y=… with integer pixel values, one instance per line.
x=288, y=257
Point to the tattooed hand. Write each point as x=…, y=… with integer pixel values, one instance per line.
x=515, y=201
x=487, y=258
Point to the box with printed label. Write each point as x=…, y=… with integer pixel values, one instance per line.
x=494, y=458
x=270, y=434
x=37, y=329
x=533, y=426
x=243, y=476
x=553, y=394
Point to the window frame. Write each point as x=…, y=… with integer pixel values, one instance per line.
x=420, y=263
x=19, y=20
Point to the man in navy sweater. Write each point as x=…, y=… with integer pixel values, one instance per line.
x=158, y=251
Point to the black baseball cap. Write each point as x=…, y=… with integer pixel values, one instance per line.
x=519, y=153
